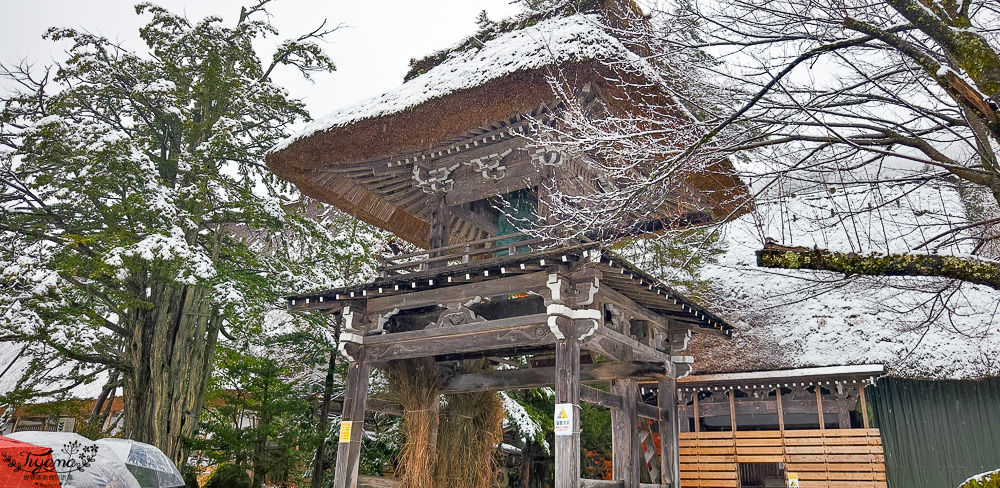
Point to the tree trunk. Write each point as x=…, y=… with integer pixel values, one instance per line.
x=324, y=415
x=170, y=360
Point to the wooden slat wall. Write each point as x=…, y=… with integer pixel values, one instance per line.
x=831, y=458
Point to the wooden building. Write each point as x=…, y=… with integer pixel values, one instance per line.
x=760, y=429
x=433, y=161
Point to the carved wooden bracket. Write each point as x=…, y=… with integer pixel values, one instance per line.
x=547, y=156
x=491, y=166
x=455, y=313
x=435, y=180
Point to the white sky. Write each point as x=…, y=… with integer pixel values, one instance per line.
x=371, y=53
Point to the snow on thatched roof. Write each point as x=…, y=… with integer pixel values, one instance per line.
x=794, y=319
x=554, y=41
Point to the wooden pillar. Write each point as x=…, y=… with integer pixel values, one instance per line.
x=625, y=449
x=864, y=405
x=781, y=412
x=355, y=398
x=697, y=422
x=567, y=455
x=732, y=409
x=819, y=406
x=670, y=463
x=844, y=411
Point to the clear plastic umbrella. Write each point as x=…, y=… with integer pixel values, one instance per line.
x=148, y=464
x=80, y=462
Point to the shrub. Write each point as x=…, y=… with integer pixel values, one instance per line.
x=989, y=479
x=229, y=476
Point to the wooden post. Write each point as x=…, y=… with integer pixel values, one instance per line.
x=819, y=406
x=567, y=455
x=697, y=422
x=355, y=397
x=781, y=412
x=626, y=454
x=666, y=399
x=732, y=409
x=864, y=406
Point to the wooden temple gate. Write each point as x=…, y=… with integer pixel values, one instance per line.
x=761, y=429
x=447, y=162
x=600, y=318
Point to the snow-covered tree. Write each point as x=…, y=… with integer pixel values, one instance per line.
x=138, y=220
x=807, y=96
x=859, y=126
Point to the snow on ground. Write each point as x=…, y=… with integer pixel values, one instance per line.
x=557, y=40
x=790, y=319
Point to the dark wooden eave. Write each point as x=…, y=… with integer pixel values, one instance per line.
x=618, y=273
x=851, y=374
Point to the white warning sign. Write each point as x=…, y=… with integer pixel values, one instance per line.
x=564, y=418
x=793, y=480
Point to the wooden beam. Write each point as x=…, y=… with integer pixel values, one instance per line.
x=490, y=335
x=612, y=400
x=461, y=293
x=355, y=397
x=599, y=397
x=647, y=411
x=470, y=186
x=609, y=294
x=757, y=407
x=514, y=379
x=621, y=347
x=476, y=216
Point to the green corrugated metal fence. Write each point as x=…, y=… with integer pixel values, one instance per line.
x=937, y=433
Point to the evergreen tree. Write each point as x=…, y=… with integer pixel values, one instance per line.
x=138, y=220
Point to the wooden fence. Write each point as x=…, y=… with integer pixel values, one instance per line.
x=830, y=458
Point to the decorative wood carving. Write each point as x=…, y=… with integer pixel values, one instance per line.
x=435, y=180
x=455, y=313
x=547, y=156
x=557, y=290
x=491, y=166
x=618, y=319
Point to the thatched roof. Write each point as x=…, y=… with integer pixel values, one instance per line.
x=360, y=157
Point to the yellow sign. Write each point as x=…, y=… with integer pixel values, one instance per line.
x=345, y=431
x=562, y=414
x=793, y=480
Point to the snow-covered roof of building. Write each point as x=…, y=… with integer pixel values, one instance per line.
x=478, y=95
x=794, y=319
x=553, y=41
x=801, y=374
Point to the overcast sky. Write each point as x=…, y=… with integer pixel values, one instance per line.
x=371, y=53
